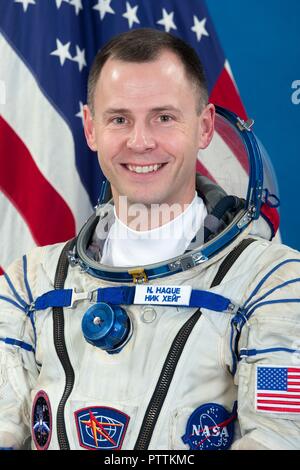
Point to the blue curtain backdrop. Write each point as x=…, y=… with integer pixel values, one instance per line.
x=261, y=40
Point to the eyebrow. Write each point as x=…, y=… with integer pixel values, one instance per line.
x=110, y=111
x=169, y=107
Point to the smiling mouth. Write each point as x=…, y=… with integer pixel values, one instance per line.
x=145, y=168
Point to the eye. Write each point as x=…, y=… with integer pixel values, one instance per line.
x=165, y=118
x=118, y=120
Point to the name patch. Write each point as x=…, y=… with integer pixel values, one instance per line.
x=162, y=295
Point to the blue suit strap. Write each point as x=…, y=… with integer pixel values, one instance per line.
x=54, y=298
x=125, y=295
x=209, y=300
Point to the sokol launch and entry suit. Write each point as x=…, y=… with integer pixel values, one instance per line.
x=188, y=376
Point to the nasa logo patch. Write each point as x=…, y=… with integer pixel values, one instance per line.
x=41, y=421
x=101, y=427
x=210, y=427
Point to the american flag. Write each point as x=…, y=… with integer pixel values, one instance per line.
x=49, y=179
x=278, y=389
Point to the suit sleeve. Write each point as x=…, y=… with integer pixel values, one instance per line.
x=268, y=370
x=18, y=368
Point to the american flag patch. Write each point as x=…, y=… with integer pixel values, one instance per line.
x=278, y=389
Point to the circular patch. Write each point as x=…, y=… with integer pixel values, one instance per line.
x=41, y=421
x=210, y=427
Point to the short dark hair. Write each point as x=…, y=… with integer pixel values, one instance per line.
x=145, y=45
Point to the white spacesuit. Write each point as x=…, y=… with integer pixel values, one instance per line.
x=200, y=352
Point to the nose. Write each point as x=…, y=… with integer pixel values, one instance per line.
x=140, y=139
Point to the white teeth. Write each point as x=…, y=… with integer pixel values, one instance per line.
x=143, y=169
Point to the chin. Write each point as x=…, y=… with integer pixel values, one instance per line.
x=146, y=200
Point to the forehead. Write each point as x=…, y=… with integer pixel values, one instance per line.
x=162, y=77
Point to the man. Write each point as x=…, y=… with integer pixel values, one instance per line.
x=136, y=339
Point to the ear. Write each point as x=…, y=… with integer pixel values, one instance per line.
x=206, y=125
x=89, y=128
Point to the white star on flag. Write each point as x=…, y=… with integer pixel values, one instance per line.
x=80, y=58
x=131, y=14
x=62, y=51
x=103, y=6
x=25, y=3
x=77, y=4
x=80, y=113
x=167, y=20
x=59, y=2
x=199, y=28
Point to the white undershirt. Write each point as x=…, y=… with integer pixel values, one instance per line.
x=127, y=247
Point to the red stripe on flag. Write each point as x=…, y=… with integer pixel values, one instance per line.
x=280, y=402
x=272, y=215
x=225, y=94
x=281, y=409
x=277, y=395
x=47, y=215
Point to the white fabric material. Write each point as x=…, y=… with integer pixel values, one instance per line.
x=126, y=381
x=127, y=247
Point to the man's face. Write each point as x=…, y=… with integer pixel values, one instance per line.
x=147, y=131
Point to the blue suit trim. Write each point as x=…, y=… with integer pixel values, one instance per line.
x=18, y=343
x=255, y=352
